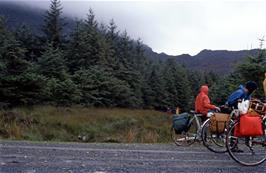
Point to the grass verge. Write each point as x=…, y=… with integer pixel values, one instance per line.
x=48, y=123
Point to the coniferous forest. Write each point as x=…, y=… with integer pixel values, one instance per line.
x=97, y=65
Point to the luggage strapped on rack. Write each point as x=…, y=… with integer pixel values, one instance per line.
x=218, y=122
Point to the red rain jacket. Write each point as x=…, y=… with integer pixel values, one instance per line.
x=202, y=103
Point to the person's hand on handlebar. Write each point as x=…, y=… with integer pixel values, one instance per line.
x=217, y=109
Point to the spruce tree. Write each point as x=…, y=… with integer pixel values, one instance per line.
x=51, y=64
x=19, y=83
x=60, y=89
x=154, y=93
x=77, y=50
x=61, y=92
x=100, y=88
x=53, y=23
x=177, y=86
x=91, y=39
x=30, y=42
x=112, y=33
x=196, y=80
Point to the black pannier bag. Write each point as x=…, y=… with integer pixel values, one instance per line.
x=180, y=122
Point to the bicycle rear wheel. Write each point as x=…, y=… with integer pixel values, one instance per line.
x=248, y=151
x=187, y=137
x=213, y=141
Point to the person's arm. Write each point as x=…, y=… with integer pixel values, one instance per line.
x=207, y=104
x=235, y=96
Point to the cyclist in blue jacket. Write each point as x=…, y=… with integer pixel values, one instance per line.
x=243, y=92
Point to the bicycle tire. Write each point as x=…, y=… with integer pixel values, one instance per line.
x=213, y=142
x=186, y=138
x=240, y=151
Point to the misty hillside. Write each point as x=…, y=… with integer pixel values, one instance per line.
x=219, y=61
x=17, y=14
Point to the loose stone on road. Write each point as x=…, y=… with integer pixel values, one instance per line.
x=37, y=157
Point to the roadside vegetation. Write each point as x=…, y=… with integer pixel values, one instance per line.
x=78, y=124
x=96, y=65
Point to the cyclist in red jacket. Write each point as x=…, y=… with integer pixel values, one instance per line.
x=203, y=104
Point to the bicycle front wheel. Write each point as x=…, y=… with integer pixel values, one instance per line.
x=213, y=141
x=187, y=137
x=248, y=151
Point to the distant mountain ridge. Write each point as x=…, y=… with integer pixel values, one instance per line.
x=219, y=61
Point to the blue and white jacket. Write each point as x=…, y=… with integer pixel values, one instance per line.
x=239, y=94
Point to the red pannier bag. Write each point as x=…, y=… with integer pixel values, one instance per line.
x=249, y=126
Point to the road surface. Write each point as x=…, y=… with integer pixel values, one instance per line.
x=36, y=157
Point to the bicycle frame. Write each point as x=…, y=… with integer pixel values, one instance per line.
x=198, y=123
x=194, y=132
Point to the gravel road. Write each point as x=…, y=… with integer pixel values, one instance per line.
x=39, y=157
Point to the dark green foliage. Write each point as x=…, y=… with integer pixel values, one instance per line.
x=51, y=63
x=19, y=83
x=253, y=68
x=221, y=89
x=23, y=89
x=59, y=88
x=196, y=80
x=29, y=42
x=61, y=92
x=154, y=94
x=99, y=66
x=77, y=56
x=100, y=88
x=53, y=23
x=177, y=85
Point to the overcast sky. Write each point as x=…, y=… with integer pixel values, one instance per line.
x=179, y=27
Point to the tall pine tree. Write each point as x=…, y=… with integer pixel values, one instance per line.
x=53, y=23
x=19, y=83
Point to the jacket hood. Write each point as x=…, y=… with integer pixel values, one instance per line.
x=204, y=89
